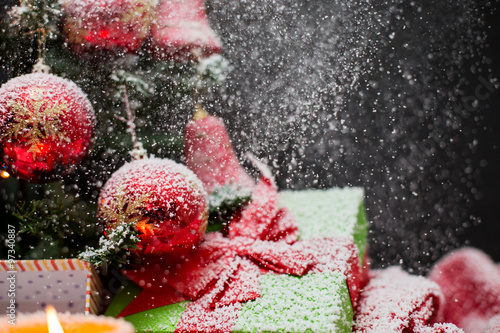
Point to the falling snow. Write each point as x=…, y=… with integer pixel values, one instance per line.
x=376, y=95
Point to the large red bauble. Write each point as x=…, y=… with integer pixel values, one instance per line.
x=164, y=200
x=116, y=25
x=46, y=126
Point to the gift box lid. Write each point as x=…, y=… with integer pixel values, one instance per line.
x=318, y=302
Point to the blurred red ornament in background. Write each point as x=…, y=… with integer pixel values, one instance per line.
x=182, y=31
x=210, y=154
x=46, y=126
x=112, y=25
x=164, y=201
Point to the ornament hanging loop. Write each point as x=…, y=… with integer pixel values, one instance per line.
x=197, y=96
x=40, y=66
x=42, y=40
x=138, y=152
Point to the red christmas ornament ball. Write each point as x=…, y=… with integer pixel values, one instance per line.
x=116, y=25
x=46, y=126
x=166, y=203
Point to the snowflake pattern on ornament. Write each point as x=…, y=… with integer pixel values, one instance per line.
x=36, y=118
x=123, y=208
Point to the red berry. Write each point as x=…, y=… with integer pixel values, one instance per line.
x=165, y=201
x=46, y=126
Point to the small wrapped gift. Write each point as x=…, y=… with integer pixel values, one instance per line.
x=70, y=285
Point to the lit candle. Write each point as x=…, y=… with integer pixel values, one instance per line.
x=51, y=322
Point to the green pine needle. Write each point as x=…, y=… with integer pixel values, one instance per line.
x=43, y=219
x=114, y=249
x=225, y=201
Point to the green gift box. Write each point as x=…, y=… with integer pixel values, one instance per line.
x=320, y=301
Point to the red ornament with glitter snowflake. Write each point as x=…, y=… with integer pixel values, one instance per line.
x=46, y=126
x=113, y=25
x=166, y=203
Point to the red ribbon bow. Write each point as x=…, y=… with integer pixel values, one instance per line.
x=224, y=271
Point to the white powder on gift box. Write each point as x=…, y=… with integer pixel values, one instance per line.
x=313, y=302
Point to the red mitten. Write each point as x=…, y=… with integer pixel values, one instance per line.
x=470, y=282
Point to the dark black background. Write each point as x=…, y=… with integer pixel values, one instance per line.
x=486, y=235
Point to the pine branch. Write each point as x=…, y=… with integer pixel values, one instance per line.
x=37, y=19
x=225, y=201
x=43, y=219
x=114, y=249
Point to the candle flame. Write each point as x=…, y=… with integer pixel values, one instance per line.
x=4, y=174
x=52, y=321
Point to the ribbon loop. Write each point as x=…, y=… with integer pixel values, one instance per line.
x=203, y=267
x=258, y=215
x=243, y=285
x=279, y=257
x=282, y=228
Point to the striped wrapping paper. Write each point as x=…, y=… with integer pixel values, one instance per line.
x=68, y=284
